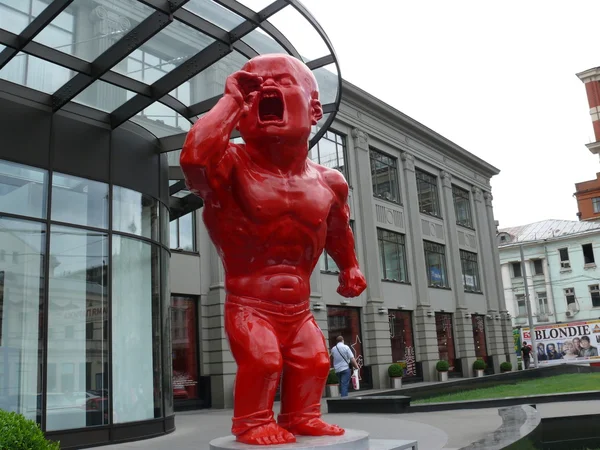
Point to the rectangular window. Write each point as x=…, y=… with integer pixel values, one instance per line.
x=588, y=254
x=542, y=301
x=184, y=332
x=538, y=267
x=445, y=338
x=435, y=260
x=384, y=176
x=330, y=152
x=182, y=233
x=345, y=321
x=427, y=190
x=470, y=271
x=462, y=207
x=392, y=253
x=479, y=338
x=327, y=263
x=595, y=295
x=564, y=258
x=521, y=306
x=401, y=337
x=570, y=299
x=516, y=270
x=596, y=205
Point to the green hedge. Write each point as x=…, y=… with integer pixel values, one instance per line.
x=19, y=433
x=442, y=366
x=395, y=371
x=506, y=366
x=479, y=364
x=332, y=378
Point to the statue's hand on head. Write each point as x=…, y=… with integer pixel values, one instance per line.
x=243, y=87
x=352, y=282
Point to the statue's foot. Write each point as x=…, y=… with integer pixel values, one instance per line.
x=268, y=434
x=316, y=427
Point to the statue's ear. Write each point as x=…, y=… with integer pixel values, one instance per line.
x=316, y=108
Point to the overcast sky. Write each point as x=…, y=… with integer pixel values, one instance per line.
x=497, y=78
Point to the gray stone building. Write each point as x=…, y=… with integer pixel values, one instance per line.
x=421, y=210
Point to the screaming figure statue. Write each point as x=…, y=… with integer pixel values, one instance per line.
x=270, y=211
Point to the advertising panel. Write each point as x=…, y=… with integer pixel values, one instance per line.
x=573, y=342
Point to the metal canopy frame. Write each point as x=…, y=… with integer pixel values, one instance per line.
x=164, y=13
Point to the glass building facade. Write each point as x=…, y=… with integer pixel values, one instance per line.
x=96, y=97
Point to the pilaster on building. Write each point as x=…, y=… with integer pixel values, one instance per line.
x=591, y=79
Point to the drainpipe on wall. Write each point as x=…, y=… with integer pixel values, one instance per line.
x=550, y=282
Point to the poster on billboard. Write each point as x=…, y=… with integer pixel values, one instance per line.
x=574, y=342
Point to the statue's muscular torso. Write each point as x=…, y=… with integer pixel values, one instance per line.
x=270, y=229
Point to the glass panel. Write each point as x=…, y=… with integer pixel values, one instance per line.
x=77, y=329
x=23, y=190
x=79, y=201
x=401, y=337
x=174, y=234
x=318, y=126
x=262, y=42
x=303, y=36
x=184, y=335
x=327, y=77
x=211, y=81
x=135, y=213
x=99, y=27
x=214, y=13
x=21, y=298
x=445, y=338
x=103, y=96
x=162, y=121
x=15, y=15
x=136, y=337
x=40, y=75
x=186, y=232
x=345, y=321
x=170, y=48
x=167, y=342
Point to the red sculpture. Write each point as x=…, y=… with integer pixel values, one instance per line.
x=270, y=211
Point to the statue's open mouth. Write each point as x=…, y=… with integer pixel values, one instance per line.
x=270, y=106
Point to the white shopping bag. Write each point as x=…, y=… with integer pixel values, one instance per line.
x=355, y=380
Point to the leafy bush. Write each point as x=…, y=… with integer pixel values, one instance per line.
x=19, y=433
x=520, y=366
x=506, y=366
x=332, y=378
x=442, y=366
x=395, y=370
x=479, y=364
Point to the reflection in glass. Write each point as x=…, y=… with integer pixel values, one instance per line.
x=327, y=78
x=427, y=189
x=470, y=271
x=35, y=73
x=435, y=260
x=184, y=332
x=401, y=337
x=462, y=207
x=21, y=298
x=77, y=394
x=135, y=213
x=392, y=253
x=164, y=225
x=79, y=201
x=384, y=176
x=103, y=96
x=182, y=233
x=167, y=344
x=136, y=330
x=162, y=121
x=23, y=190
x=445, y=338
x=214, y=13
x=330, y=152
x=262, y=42
x=99, y=26
x=15, y=15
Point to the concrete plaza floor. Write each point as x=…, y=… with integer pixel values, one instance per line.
x=447, y=430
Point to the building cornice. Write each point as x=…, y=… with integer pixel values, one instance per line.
x=386, y=113
x=589, y=75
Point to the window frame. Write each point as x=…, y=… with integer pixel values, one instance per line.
x=459, y=193
x=594, y=289
x=392, y=165
x=541, y=262
x=565, y=264
x=518, y=299
x=542, y=305
x=586, y=262
x=470, y=257
x=424, y=177
x=433, y=248
x=596, y=205
x=315, y=153
x=513, y=272
x=325, y=258
x=402, y=259
x=178, y=234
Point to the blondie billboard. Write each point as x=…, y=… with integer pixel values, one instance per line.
x=574, y=342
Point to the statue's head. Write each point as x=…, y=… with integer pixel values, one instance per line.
x=287, y=104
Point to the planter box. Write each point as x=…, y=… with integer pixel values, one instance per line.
x=443, y=376
x=332, y=390
x=396, y=383
x=479, y=373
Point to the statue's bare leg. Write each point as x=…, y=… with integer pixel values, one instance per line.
x=305, y=370
x=255, y=347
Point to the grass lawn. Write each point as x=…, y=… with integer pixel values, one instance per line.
x=552, y=385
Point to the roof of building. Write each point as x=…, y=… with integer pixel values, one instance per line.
x=547, y=229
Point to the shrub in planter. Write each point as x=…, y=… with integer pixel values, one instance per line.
x=519, y=366
x=332, y=378
x=19, y=433
x=479, y=364
x=442, y=366
x=395, y=370
x=506, y=366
